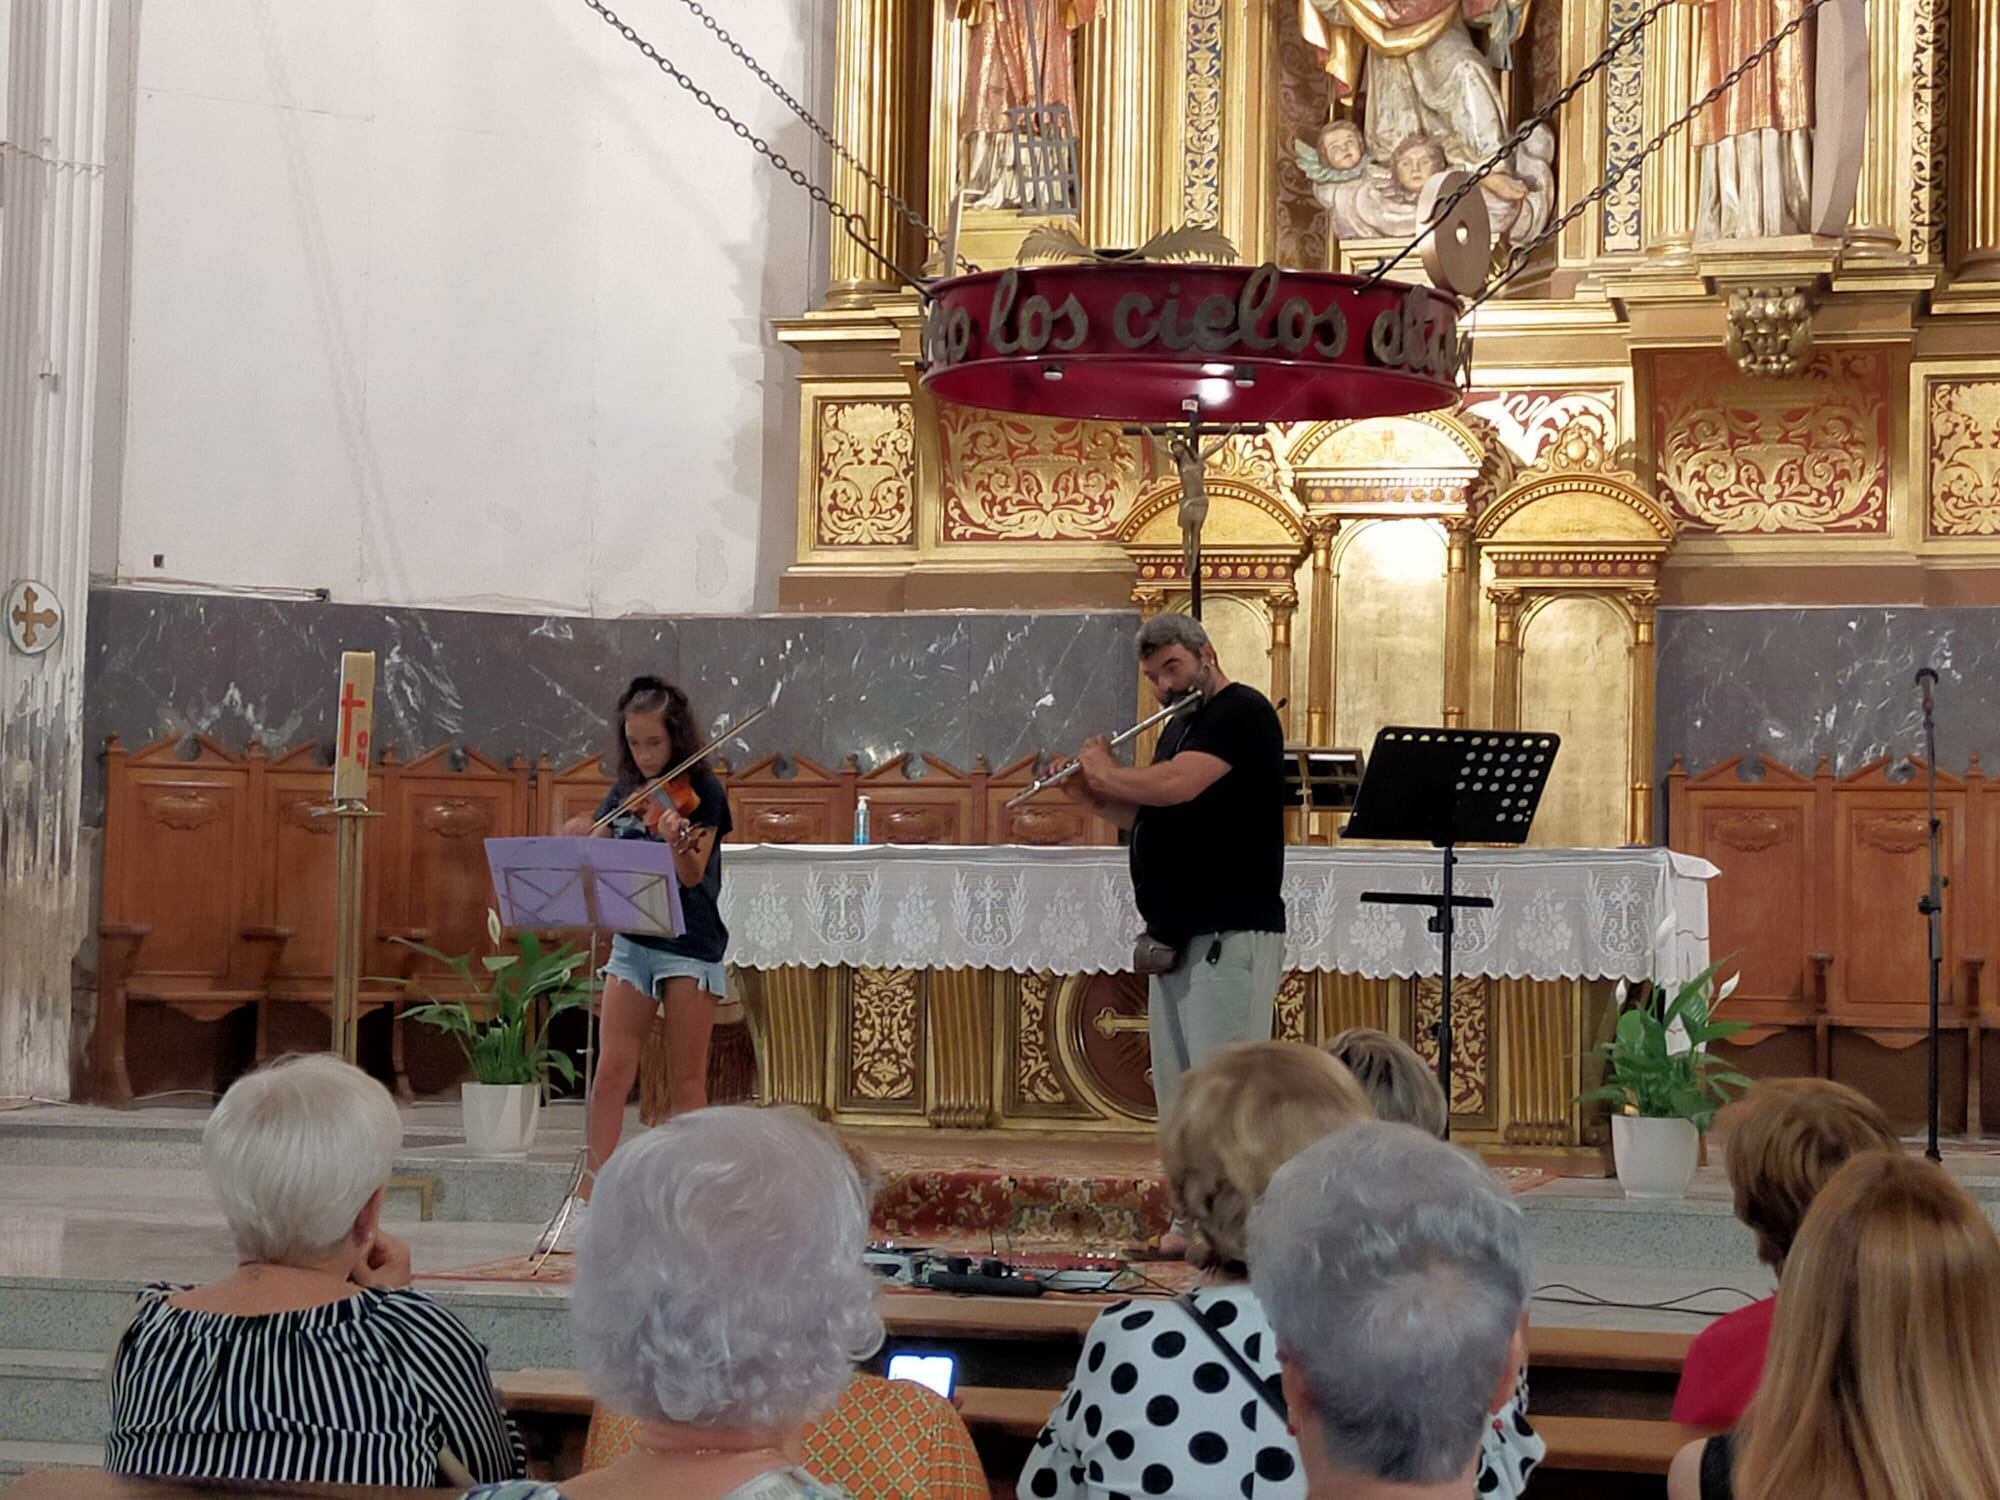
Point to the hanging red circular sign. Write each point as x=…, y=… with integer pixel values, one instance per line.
x=1139, y=341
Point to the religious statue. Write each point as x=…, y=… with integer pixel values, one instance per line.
x=1019, y=55
x=1191, y=465
x=1431, y=102
x=1754, y=145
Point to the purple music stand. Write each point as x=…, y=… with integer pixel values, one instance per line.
x=585, y=885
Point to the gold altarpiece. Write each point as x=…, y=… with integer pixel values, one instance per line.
x=1499, y=564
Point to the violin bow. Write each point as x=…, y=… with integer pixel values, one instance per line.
x=641, y=793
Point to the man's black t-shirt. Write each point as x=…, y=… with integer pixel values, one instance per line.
x=1216, y=864
x=704, y=937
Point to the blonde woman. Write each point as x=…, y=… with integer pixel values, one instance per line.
x=1180, y=1398
x=1882, y=1382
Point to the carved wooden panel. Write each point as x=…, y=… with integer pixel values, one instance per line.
x=175, y=832
x=1049, y=820
x=881, y=1041
x=295, y=868
x=1760, y=906
x=1763, y=827
x=1881, y=869
x=440, y=819
x=573, y=792
x=936, y=808
x=791, y=801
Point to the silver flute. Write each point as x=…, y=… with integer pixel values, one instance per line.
x=1070, y=767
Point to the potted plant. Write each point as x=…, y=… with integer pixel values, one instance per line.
x=492, y=1014
x=1663, y=1084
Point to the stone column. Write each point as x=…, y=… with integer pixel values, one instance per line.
x=51, y=233
x=1506, y=657
x=1667, y=178
x=1319, y=657
x=1457, y=621
x=1639, y=816
x=881, y=113
x=1282, y=605
x=1121, y=132
x=1974, y=205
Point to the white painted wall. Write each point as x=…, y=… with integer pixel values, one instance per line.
x=461, y=302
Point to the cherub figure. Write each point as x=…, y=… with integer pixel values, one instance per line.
x=1341, y=155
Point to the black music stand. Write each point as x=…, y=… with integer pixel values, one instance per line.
x=1447, y=787
x=1321, y=780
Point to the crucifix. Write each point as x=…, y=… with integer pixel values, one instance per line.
x=1190, y=455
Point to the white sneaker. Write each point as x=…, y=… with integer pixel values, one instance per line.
x=561, y=1234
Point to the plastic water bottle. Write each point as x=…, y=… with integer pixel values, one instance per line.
x=861, y=821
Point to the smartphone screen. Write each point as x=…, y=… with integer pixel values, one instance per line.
x=938, y=1371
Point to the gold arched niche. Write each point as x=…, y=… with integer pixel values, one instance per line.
x=1252, y=546
x=1409, y=486
x=1571, y=554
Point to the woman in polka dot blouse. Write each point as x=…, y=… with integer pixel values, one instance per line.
x=1180, y=1398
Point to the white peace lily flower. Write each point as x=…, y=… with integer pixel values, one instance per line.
x=493, y=925
x=1728, y=987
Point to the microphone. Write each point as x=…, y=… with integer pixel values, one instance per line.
x=1926, y=674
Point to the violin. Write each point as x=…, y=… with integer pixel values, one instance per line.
x=671, y=794
x=673, y=788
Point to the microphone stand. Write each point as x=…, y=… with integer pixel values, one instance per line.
x=1931, y=904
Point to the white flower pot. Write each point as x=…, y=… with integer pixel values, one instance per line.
x=1655, y=1157
x=500, y=1118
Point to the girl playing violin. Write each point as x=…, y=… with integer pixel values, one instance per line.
x=656, y=730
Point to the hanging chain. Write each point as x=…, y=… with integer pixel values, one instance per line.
x=1517, y=259
x=1618, y=43
x=852, y=222
x=910, y=215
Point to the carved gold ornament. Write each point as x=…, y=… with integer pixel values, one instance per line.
x=1769, y=330
x=867, y=455
x=1964, y=452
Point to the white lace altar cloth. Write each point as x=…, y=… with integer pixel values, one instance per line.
x=1557, y=913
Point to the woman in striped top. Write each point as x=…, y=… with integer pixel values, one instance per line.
x=315, y=1361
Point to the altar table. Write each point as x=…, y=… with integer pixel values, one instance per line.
x=987, y=986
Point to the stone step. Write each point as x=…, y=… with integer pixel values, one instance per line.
x=52, y=1396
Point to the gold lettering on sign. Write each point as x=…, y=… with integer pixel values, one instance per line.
x=867, y=457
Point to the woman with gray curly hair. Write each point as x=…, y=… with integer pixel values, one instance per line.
x=721, y=1300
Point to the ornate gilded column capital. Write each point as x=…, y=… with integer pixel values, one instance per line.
x=1150, y=601
x=1283, y=604
x=1506, y=601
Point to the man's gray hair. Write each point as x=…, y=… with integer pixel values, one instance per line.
x=1394, y=1269
x=719, y=1282
x=295, y=1151
x=1167, y=630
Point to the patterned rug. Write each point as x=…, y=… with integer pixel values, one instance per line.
x=991, y=1209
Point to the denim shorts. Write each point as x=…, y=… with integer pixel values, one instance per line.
x=647, y=970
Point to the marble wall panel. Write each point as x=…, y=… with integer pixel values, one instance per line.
x=1797, y=684
x=953, y=685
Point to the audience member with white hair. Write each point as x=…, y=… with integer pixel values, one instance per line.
x=1394, y=1270
x=314, y=1360
x=721, y=1300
